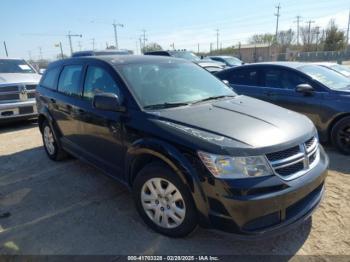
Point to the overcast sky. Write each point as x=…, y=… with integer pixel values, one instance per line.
x=27, y=25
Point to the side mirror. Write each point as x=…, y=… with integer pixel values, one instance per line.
x=226, y=82
x=306, y=89
x=108, y=102
x=42, y=71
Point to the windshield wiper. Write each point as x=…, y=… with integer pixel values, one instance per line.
x=165, y=105
x=211, y=98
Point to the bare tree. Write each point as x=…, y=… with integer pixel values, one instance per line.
x=262, y=39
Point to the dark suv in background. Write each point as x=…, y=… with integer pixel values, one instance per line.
x=190, y=149
x=315, y=91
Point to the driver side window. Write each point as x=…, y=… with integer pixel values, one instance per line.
x=98, y=80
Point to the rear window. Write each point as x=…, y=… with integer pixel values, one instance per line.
x=49, y=78
x=15, y=66
x=69, y=82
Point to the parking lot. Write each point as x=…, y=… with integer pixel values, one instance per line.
x=71, y=208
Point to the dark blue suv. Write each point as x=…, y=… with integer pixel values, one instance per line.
x=317, y=92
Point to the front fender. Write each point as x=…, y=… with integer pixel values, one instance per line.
x=175, y=159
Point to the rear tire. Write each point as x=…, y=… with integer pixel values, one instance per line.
x=164, y=202
x=53, y=150
x=341, y=135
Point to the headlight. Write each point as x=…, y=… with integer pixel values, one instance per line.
x=235, y=167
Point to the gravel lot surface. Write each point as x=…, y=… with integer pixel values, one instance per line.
x=71, y=208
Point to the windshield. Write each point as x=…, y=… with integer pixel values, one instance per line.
x=233, y=61
x=327, y=77
x=15, y=66
x=169, y=82
x=185, y=55
x=341, y=69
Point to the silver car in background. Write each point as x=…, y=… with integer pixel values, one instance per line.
x=18, y=81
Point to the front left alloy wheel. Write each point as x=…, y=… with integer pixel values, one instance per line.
x=164, y=201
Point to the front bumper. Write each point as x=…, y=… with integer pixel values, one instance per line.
x=20, y=109
x=262, y=206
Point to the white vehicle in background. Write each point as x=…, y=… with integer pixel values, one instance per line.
x=18, y=81
x=342, y=69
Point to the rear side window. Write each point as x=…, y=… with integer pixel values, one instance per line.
x=69, y=81
x=98, y=80
x=49, y=78
x=283, y=79
x=247, y=77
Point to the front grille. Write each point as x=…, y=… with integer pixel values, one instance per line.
x=17, y=92
x=283, y=154
x=31, y=95
x=288, y=170
x=31, y=87
x=310, y=143
x=9, y=97
x=295, y=161
x=8, y=89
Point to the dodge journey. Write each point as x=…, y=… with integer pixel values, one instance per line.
x=191, y=150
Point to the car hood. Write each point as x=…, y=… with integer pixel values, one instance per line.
x=9, y=78
x=235, y=124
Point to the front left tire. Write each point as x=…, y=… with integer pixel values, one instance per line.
x=164, y=202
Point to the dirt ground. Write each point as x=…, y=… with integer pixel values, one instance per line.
x=71, y=208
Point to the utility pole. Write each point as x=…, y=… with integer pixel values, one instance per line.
x=211, y=47
x=217, y=39
x=347, y=34
x=5, y=47
x=115, y=25
x=93, y=43
x=79, y=44
x=198, y=48
x=239, y=50
x=309, y=33
x=40, y=53
x=140, y=39
x=61, y=50
x=317, y=32
x=173, y=46
x=298, y=17
x=70, y=40
x=144, y=37
x=277, y=19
